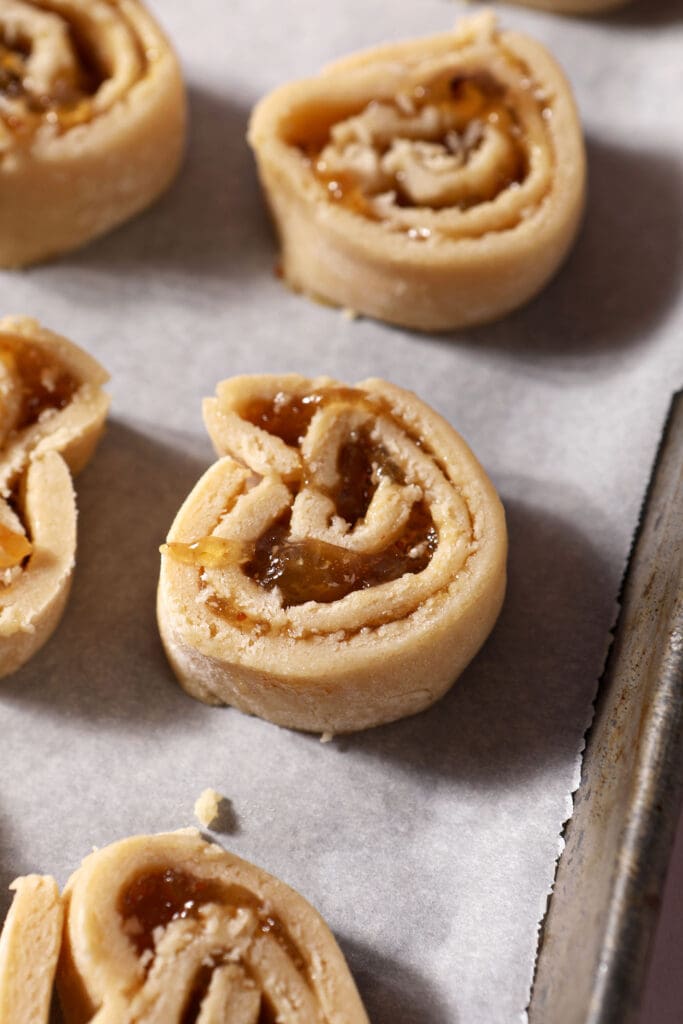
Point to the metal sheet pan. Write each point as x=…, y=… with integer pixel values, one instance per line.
x=602, y=915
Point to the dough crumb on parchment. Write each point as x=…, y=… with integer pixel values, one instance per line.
x=207, y=805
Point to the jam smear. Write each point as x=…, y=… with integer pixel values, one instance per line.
x=271, y=925
x=208, y=552
x=44, y=383
x=310, y=569
x=313, y=570
x=471, y=100
x=154, y=899
x=289, y=416
x=361, y=465
x=157, y=898
x=286, y=417
x=69, y=99
x=14, y=548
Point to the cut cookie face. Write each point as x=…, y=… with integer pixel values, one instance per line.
x=52, y=411
x=167, y=928
x=92, y=121
x=340, y=564
x=29, y=947
x=434, y=183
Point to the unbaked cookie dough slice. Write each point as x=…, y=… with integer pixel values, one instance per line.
x=29, y=948
x=52, y=410
x=92, y=121
x=339, y=565
x=434, y=183
x=167, y=928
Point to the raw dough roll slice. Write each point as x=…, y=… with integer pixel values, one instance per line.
x=340, y=564
x=434, y=183
x=52, y=410
x=92, y=121
x=168, y=928
x=29, y=948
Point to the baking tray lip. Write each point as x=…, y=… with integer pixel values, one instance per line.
x=651, y=600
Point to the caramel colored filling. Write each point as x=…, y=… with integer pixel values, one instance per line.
x=289, y=416
x=310, y=569
x=209, y=552
x=369, y=164
x=14, y=548
x=155, y=899
x=68, y=101
x=44, y=383
x=361, y=466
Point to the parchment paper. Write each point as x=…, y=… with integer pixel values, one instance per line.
x=428, y=845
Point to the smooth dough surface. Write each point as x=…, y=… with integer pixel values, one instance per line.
x=339, y=565
x=434, y=183
x=92, y=121
x=52, y=411
x=158, y=924
x=29, y=948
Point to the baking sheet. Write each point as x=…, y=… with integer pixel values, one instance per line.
x=429, y=845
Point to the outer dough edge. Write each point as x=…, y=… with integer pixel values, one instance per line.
x=29, y=948
x=31, y=627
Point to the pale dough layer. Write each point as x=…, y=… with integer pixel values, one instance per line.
x=37, y=498
x=376, y=654
x=29, y=948
x=259, y=938
x=424, y=264
x=33, y=603
x=61, y=187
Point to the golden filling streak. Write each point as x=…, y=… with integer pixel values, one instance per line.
x=45, y=384
x=289, y=416
x=68, y=103
x=313, y=570
x=155, y=899
x=310, y=569
x=32, y=385
x=14, y=548
x=468, y=103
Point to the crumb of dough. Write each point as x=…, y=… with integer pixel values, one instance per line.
x=327, y=737
x=206, y=806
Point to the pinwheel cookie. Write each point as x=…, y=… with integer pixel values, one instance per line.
x=168, y=928
x=433, y=183
x=52, y=410
x=339, y=565
x=92, y=121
